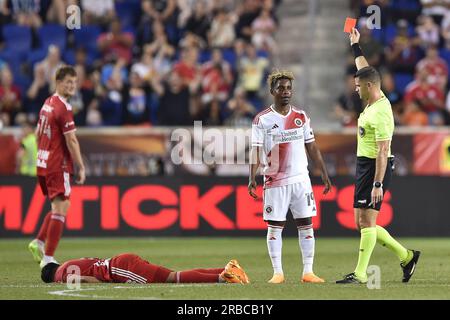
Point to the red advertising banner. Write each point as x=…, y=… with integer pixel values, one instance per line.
x=213, y=207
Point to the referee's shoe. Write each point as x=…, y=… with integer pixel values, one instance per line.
x=410, y=267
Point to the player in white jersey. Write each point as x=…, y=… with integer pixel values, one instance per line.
x=281, y=136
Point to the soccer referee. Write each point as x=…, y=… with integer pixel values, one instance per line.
x=373, y=169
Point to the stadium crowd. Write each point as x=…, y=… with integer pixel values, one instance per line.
x=150, y=62
x=412, y=51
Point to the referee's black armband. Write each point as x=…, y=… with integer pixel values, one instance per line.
x=357, y=52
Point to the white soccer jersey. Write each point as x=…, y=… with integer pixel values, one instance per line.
x=282, y=139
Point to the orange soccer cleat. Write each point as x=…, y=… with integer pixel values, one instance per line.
x=312, y=278
x=234, y=273
x=277, y=278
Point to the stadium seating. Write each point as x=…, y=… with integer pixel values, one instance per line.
x=18, y=40
x=52, y=34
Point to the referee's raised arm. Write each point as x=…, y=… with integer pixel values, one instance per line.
x=360, y=61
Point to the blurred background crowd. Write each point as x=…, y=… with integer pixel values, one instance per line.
x=150, y=62
x=412, y=51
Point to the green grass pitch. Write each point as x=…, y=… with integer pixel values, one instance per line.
x=20, y=276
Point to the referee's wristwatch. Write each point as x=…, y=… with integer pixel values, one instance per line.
x=377, y=184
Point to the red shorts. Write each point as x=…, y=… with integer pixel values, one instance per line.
x=55, y=184
x=129, y=267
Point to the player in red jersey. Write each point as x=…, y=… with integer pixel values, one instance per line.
x=58, y=147
x=130, y=268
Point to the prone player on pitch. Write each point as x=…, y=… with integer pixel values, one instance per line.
x=130, y=268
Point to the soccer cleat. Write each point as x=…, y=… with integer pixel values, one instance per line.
x=277, y=278
x=410, y=267
x=234, y=273
x=312, y=278
x=351, y=278
x=36, y=250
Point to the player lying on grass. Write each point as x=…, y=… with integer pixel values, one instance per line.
x=130, y=268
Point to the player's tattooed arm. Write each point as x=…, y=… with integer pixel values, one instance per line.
x=316, y=156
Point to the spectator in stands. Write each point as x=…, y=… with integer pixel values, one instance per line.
x=9, y=97
x=5, y=16
x=371, y=47
x=50, y=64
x=199, y=22
x=99, y=12
x=161, y=50
x=348, y=106
x=445, y=30
x=135, y=98
x=435, y=9
x=251, y=71
x=112, y=102
x=38, y=92
x=166, y=12
x=435, y=68
x=241, y=111
x=222, y=32
x=428, y=31
x=187, y=8
x=413, y=116
x=145, y=68
x=83, y=96
x=93, y=114
x=263, y=28
x=210, y=114
x=394, y=96
x=26, y=12
x=403, y=53
x=429, y=97
x=174, y=98
x=188, y=68
x=116, y=42
x=217, y=79
x=250, y=11
x=160, y=10
x=56, y=12
x=389, y=88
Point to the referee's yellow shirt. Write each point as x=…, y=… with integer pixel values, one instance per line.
x=375, y=123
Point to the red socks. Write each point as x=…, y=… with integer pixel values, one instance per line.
x=210, y=271
x=42, y=235
x=54, y=233
x=194, y=276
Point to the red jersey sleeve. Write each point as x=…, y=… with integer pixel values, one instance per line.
x=66, y=122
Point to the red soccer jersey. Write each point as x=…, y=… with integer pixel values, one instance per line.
x=55, y=120
x=91, y=267
x=415, y=92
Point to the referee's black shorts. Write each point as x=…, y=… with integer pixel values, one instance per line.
x=365, y=174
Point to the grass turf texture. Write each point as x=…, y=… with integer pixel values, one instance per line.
x=20, y=275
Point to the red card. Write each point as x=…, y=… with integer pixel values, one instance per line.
x=350, y=23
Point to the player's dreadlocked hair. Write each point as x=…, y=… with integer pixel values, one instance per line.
x=278, y=75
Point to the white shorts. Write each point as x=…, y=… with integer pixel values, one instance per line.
x=298, y=197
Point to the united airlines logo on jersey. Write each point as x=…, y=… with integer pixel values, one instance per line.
x=290, y=135
x=361, y=131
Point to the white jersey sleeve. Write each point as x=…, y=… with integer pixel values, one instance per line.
x=257, y=135
x=308, y=132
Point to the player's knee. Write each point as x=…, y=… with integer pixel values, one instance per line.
x=303, y=221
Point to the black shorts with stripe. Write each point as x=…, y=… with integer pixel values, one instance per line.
x=365, y=174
